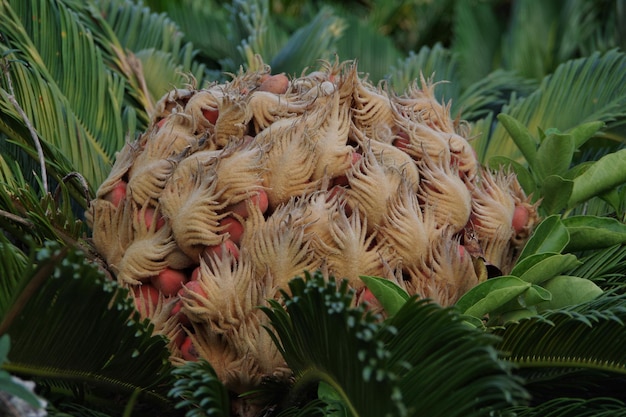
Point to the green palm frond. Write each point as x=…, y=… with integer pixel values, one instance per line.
x=461, y=362
x=323, y=340
x=373, y=51
x=532, y=38
x=591, y=88
x=412, y=23
x=395, y=367
x=74, y=331
x=476, y=40
x=204, y=24
x=198, y=389
x=48, y=48
x=573, y=407
x=28, y=216
x=253, y=31
x=129, y=31
x=489, y=94
x=606, y=267
x=310, y=43
x=437, y=63
x=572, y=350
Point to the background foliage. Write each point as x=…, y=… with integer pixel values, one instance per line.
x=79, y=78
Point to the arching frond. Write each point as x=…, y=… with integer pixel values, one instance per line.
x=591, y=89
x=72, y=330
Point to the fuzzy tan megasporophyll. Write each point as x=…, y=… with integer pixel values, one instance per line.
x=236, y=188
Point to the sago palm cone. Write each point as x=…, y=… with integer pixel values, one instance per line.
x=237, y=188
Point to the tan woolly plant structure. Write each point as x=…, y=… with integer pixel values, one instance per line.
x=239, y=187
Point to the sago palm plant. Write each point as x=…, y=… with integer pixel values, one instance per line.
x=220, y=157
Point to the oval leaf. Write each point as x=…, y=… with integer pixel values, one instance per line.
x=391, y=296
x=521, y=136
x=549, y=236
x=582, y=133
x=568, y=290
x=593, y=232
x=490, y=295
x=525, y=264
x=554, y=155
x=549, y=268
x=601, y=177
x=555, y=193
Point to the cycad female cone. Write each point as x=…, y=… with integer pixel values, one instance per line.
x=237, y=188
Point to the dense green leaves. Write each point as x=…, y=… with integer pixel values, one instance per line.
x=72, y=328
x=590, y=88
x=87, y=75
x=392, y=367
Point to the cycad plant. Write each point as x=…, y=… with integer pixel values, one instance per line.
x=174, y=155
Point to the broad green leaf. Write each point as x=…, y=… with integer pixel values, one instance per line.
x=554, y=156
x=582, y=133
x=495, y=300
x=521, y=266
x=527, y=300
x=534, y=295
x=520, y=134
x=524, y=177
x=568, y=290
x=391, y=296
x=549, y=236
x=549, y=267
x=491, y=294
x=593, y=232
x=602, y=176
x=555, y=193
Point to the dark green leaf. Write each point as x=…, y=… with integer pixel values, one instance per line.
x=555, y=194
x=54, y=341
x=568, y=290
x=490, y=295
x=520, y=134
x=548, y=268
x=323, y=339
x=451, y=369
x=554, y=156
x=593, y=232
x=199, y=390
x=600, y=178
x=549, y=236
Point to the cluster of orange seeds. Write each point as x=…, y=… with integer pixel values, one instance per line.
x=239, y=187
